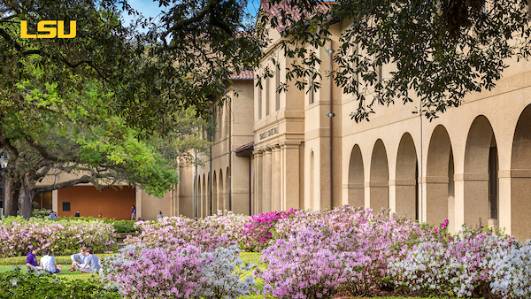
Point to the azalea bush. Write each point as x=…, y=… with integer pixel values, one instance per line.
x=182, y=272
x=172, y=232
x=358, y=252
x=259, y=229
x=18, y=235
x=511, y=271
x=317, y=253
x=473, y=263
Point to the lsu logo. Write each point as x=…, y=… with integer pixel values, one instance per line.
x=48, y=29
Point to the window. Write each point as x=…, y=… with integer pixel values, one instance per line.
x=259, y=102
x=277, y=86
x=66, y=206
x=267, y=91
x=311, y=92
x=43, y=200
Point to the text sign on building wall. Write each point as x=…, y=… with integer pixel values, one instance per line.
x=270, y=132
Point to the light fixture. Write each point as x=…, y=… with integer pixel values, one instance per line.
x=330, y=114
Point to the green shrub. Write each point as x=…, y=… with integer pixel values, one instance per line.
x=40, y=213
x=123, y=226
x=19, y=285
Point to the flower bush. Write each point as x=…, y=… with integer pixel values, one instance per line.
x=182, y=272
x=258, y=230
x=472, y=263
x=511, y=271
x=296, y=271
x=358, y=252
x=17, y=235
x=318, y=252
x=172, y=232
x=222, y=274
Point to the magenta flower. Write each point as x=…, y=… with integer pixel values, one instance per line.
x=444, y=224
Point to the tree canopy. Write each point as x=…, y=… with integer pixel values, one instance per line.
x=437, y=51
x=91, y=106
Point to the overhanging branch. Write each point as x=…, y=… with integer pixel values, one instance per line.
x=81, y=180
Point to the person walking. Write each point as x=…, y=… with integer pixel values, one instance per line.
x=133, y=212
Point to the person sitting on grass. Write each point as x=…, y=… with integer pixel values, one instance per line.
x=78, y=258
x=91, y=264
x=48, y=263
x=31, y=259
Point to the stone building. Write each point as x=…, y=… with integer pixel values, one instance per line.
x=471, y=165
x=296, y=149
x=222, y=179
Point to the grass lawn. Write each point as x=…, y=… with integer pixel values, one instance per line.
x=10, y=263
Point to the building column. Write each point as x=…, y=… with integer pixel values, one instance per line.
x=275, y=182
x=367, y=197
x=55, y=201
x=456, y=204
x=504, y=200
x=138, y=202
x=291, y=174
x=392, y=196
x=258, y=156
x=266, y=181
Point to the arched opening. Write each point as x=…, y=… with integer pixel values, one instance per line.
x=379, y=185
x=227, y=204
x=205, y=196
x=440, y=178
x=481, y=174
x=214, y=198
x=356, y=179
x=221, y=192
x=407, y=195
x=521, y=177
x=197, y=199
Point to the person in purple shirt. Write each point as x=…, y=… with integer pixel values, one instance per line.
x=31, y=259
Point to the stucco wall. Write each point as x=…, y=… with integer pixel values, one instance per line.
x=112, y=202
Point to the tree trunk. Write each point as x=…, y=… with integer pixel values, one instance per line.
x=25, y=200
x=10, y=203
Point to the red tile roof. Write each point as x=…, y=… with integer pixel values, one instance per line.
x=243, y=75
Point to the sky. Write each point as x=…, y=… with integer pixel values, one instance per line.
x=150, y=8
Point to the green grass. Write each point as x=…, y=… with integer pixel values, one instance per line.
x=65, y=273
x=254, y=259
x=10, y=263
